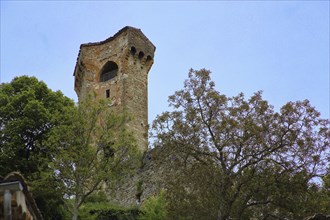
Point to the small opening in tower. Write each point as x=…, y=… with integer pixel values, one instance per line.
x=109, y=71
x=141, y=55
x=107, y=93
x=149, y=58
x=133, y=50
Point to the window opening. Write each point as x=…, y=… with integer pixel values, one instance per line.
x=133, y=51
x=141, y=55
x=109, y=71
x=107, y=93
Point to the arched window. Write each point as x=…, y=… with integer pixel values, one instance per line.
x=133, y=50
x=141, y=55
x=109, y=71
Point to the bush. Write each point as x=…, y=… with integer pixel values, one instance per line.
x=155, y=208
x=107, y=211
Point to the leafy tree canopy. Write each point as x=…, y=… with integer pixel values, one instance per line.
x=241, y=158
x=28, y=112
x=93, y=149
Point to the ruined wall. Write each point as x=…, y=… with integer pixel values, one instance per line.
x=147, y=181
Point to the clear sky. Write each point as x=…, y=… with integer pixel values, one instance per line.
x=280, y=47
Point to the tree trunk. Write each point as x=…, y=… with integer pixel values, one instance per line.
x=75, y=210
x=221, y=214
x=219, y=217
x=223, y=211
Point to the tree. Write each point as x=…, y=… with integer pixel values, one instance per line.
x=94, y=148
x=154, y=208
x=29, y=111
x=257, y=159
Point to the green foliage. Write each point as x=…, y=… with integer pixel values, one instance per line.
x=29, y=111
x=93, y=147
x=238, y=158
x=48, y=194
x=189, y=194
x=107, y=211
x=155, y=208
x=70, y=149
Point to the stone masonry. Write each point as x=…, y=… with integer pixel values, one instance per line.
x=117, y=68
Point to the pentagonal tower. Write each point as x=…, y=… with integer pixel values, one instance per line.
x=117, y=69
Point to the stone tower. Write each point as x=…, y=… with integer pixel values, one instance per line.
x=117, y=69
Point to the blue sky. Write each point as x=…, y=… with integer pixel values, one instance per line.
x=280, y=47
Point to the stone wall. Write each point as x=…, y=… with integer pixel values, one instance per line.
x=137, y=187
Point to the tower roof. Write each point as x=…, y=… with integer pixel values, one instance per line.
x=125, y=29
